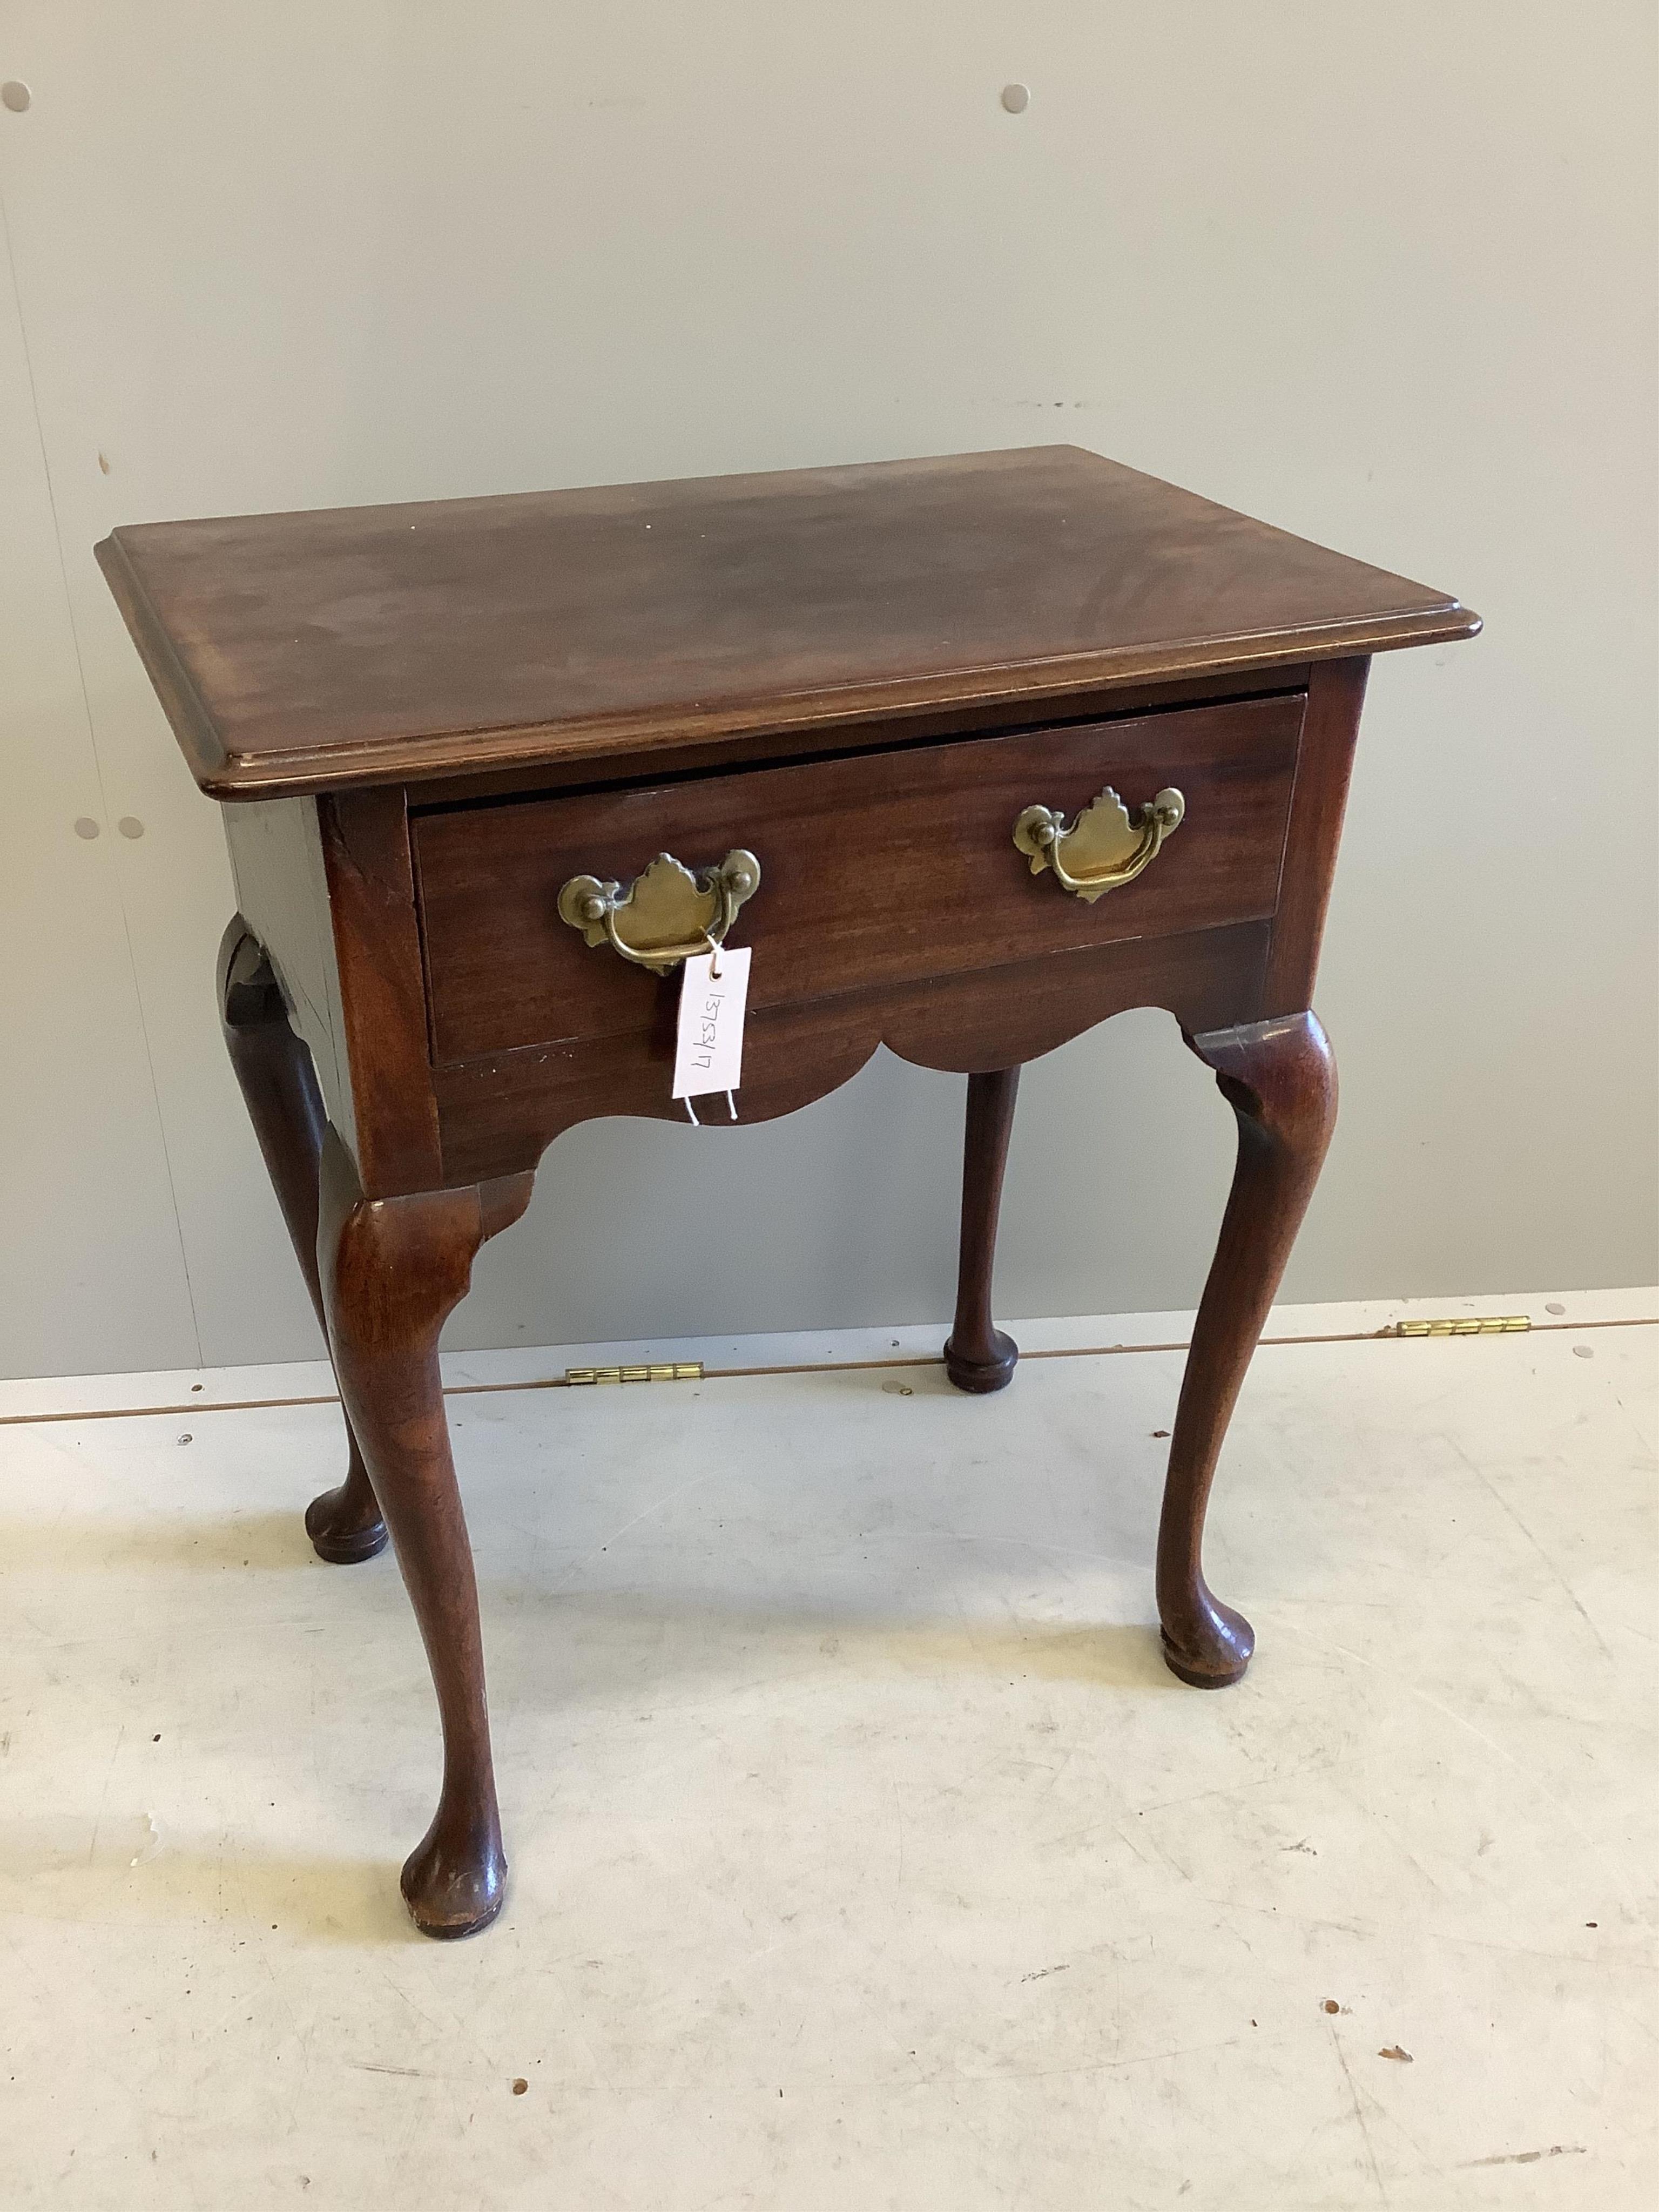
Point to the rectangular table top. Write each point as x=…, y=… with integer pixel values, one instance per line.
x=353, y=645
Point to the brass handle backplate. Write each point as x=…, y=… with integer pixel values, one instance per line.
x=1103, y=849
x=666, y=914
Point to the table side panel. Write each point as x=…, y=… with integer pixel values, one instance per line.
x=282, y=893
x=1336, y=694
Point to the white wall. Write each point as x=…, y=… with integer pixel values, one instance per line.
x=1383, y=275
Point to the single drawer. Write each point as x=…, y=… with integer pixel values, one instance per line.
x=881, y=868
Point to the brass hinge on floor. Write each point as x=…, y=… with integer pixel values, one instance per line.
x=675, y=1371
x=1481, y=1325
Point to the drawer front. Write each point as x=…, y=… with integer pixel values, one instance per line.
x=884, y=869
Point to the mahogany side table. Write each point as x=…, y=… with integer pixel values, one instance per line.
x=973, y=753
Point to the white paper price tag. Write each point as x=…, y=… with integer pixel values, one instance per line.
x=708, y=1049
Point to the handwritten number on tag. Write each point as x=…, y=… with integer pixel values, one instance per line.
x=708, y=1045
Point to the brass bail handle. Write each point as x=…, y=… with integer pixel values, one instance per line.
x=1103, y=849
x=666, y=914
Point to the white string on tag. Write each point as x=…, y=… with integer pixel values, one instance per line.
x=690, y=1116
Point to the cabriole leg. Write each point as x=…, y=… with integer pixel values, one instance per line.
x=978, y=1357
x=1280, y=1081
x=279, y=1089
x=393, y=1270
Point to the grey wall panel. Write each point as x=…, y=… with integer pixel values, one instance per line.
x=1387, y=279
x=90, y=1254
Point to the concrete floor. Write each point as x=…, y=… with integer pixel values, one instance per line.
x=864, y=1853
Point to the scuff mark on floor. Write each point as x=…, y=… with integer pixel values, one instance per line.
x=120, y=1738
x=1366, y=2133
x=1532, y=2157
